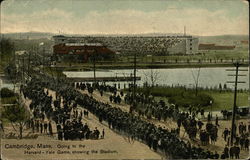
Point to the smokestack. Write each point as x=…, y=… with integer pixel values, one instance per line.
x=184, y=30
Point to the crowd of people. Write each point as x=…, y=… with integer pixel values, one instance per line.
x=155, y=137
x=64, y=113
x=192, y=126
x=40, y=126
x=128, y=124
x=143, y=45
x=241, y=140
x=159, y=110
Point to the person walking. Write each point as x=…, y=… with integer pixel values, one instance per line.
x=247, y=144
x=45, y=126
x=226, y=152
x=237, y=152
x=1, y=126
x=217, y=121
x=209, y=117
x=103, y=133
x=50, y=128
x=41, y=127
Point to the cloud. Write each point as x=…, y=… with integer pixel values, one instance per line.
x=171, y=20
x=43, y=21
x=199, y=22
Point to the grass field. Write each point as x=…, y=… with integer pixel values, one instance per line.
x=223, y=100
x=205, y=55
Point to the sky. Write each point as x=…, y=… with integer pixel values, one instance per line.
x=201, y=17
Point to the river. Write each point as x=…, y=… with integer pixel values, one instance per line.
x=208, y=77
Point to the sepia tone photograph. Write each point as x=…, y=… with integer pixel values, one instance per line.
x=124, y=79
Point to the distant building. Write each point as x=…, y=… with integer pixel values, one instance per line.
x=186, y=45
x=59, y=39
x=83, y=50
x=244, y=42
x=241, y=44
x=144, y=45
x=215, y=47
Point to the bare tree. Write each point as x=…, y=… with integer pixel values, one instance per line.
x=196, y=79
x=152, y=77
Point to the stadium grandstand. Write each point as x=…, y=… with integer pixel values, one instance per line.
x=144, y=45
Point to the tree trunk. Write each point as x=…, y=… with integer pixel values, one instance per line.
x=196, y=89
x=21, y=131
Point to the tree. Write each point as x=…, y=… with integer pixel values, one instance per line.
x=5, y=92
x=220, y=87
x=196, y=80
x=18, y=116
x=225, y=86
x=152, y=77
x=7, y=48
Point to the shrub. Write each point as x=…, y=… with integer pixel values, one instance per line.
x=5, y=92
x=9, y=100
x=190, y=100
x=180, y=96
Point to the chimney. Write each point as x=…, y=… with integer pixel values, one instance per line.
x=184, y=30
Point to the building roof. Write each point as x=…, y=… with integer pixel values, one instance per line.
x=81, y=49
x=214, y=47
x=244, y=42
x=83, y=44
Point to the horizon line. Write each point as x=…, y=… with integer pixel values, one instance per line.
x=86, y=34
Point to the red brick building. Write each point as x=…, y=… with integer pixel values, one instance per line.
x=215, y=47
x=83, y=50
x=244, y=42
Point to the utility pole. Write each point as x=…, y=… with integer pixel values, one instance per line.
x=133, y=77
x=23, y=70
x=233, y=125
x=234, y=105
x=29, y=65
x=16, y=70
x=1, y=18
x=1, y=27
x=43, y=58
x=134, y=86
x=1, y=44
x=184, y=31
x=94, y=66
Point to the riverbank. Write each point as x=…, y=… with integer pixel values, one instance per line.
x=89, y=66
